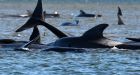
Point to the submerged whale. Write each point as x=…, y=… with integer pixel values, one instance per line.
x=134, y=39
x=29, y=14
x=84, y=14
x=75, y=23
x=10, y=43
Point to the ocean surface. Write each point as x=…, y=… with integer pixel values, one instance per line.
x=93, y=61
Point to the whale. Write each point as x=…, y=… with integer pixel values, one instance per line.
x=134, y=39
x=33, y=35
x=75, y=23
x=29, y=13
x=10, y=43
x=84, y=14
x=93, y=38
x=52, y=15
x=46, y=15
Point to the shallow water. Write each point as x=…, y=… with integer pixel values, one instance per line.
x=93, y=62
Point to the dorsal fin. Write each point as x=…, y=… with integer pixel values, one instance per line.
x=95, y=32
x=119, y=11
x=120, y=21
x=37, y=14
x=82, y=12
x=34, y=34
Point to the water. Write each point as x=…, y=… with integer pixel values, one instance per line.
x=94, y=61
x=73, y=1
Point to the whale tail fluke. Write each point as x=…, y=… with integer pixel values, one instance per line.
x=37, y=18
x=37, y=15
x=54, y=30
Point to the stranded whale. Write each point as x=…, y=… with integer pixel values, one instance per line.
x=93, y=38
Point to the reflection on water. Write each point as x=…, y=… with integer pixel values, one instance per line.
x=92, y=62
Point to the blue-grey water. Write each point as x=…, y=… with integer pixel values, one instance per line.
x=94, y=61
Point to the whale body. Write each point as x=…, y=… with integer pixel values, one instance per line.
x=84, y=14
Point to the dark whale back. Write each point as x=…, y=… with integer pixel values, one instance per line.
x=92, y=38
x=134, y=39
x=84, y=14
